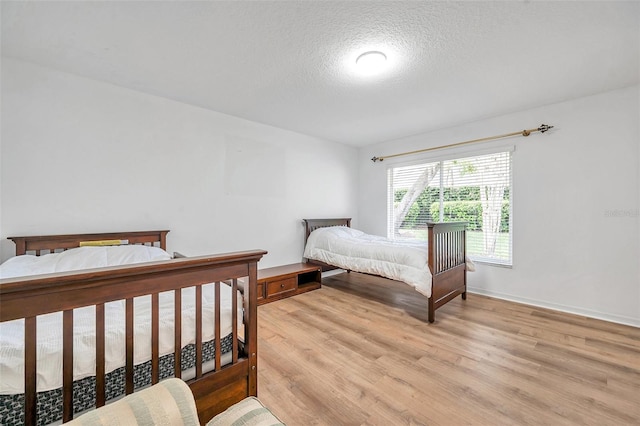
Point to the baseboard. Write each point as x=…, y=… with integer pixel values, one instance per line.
x=619, y=319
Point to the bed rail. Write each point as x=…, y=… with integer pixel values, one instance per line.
x=26, y=298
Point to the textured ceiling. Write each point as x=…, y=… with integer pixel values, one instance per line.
x=290, y=63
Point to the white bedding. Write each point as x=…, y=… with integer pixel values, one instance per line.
x=49, y=327
x=351, y=249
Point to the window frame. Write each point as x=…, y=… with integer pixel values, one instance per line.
x=456, y=154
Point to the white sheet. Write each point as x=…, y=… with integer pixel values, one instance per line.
x=349, y=248
x=49, y=327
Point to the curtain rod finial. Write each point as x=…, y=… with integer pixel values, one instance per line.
x=544, y=127
x=374, y=159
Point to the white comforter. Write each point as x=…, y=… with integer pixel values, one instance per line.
x=351, y=249
x=49, y=327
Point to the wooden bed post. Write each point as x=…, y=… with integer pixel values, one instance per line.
x=432, y=310
x=252, y=326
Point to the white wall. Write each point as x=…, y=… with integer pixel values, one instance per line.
x=576, y=193
x=79, y=155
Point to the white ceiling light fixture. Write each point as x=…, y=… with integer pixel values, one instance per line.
x=371, y=62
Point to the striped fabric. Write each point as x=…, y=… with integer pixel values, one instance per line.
x=248, y=412
x=169, y=403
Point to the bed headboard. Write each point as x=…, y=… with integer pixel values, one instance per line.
x=51, y=243
x=313, y=224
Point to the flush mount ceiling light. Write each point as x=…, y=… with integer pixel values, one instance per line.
x=371, y=62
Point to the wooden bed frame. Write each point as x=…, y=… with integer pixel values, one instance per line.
x=26, y=298
x=446, y=258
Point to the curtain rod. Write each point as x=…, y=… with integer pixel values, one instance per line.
x=543, y=128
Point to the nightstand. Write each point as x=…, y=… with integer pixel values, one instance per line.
x=288, y=280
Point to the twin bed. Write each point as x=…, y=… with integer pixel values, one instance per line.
x=74, y=340
x=436, y=269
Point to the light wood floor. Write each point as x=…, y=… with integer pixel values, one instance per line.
x=359, y=351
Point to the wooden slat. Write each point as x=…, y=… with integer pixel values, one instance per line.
x=441, y=247
x=447, y=250
x=216, y=317
x=234, y=320
x=100, y=356
x=431, y=245
x=177, y=341
x=129, y=339
x=455, y=260
x=67, y=365
x=444, y=250
x=453, y=249
x=155, y=339
x=30, y=370
x=439, y=252
x=441, y=255
x=198, y=331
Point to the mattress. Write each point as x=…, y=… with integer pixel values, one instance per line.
x=49, y=403
x=351, y=249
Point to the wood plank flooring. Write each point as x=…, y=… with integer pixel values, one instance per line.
x=359, y=351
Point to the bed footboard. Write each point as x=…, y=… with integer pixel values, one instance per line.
x=447, y=262
x=29, y=297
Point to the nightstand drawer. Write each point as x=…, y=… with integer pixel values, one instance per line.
x=281, y=286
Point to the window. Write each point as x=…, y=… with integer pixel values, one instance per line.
x=475, y=189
